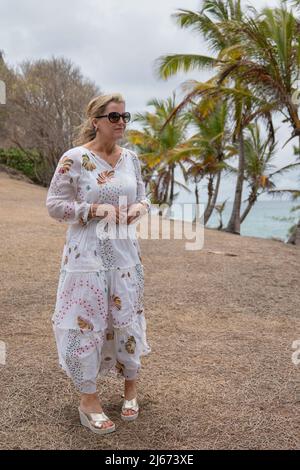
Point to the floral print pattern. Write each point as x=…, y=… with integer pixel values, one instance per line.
x=116, y=302
x=87, y=164
x=84, y=324
x=105, y=176
x=130, y=345
x=65, y=165
x=98, y=321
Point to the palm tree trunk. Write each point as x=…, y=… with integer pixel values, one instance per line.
x=196, y=192
x=210, y=190
x=211, y=206
x=251, y=201
x=294, y=239
x=172, y=185
x=246, y=211
x=234, y=224
x=197, y=214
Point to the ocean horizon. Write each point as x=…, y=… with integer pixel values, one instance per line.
x=262, y=221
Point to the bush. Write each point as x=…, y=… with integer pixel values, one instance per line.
x=25, y=162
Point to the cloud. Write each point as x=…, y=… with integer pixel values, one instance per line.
x=115, y=43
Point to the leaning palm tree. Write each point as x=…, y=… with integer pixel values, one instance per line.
x=271, y=62
x=243, y=108
x=211, y=142
x=294, y=230
x=270, y=59
x=259, y=170
x=207, y=22
x=219, y=208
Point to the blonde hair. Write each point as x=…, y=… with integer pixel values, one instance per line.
x=86, y=131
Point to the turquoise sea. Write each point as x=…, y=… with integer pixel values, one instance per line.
x=260, y=222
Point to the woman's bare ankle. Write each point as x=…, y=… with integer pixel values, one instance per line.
x=130, y=389
x=90, y=403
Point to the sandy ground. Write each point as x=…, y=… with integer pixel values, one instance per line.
x=221, y=322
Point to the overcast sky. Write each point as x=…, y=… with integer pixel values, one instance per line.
x=114, y=42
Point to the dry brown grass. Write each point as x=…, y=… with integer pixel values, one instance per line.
x=220, y=375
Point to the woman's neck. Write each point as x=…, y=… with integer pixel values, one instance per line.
x=106, y=148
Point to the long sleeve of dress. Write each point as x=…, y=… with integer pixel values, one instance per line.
x=63, y=201
x=141, y=191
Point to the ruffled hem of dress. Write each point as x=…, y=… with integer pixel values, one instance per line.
x=136, y=328
x=106, y=342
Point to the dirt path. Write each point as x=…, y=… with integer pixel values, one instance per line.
x=221, y=330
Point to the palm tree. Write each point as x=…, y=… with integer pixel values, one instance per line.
x=259, y=54
x=294, y=230
x=208, y=23
x=259, y=173
x=211, y=144
x=159, y=148
x=220, y=209
x=270, y=61
x=200, y=22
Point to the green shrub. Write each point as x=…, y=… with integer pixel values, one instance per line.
x=22, y=161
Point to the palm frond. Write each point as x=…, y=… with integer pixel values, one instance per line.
x=169, y=65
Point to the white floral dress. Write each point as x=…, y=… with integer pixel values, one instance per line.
x=98, y=321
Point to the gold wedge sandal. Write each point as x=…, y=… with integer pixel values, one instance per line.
x=94, y=421
x=130, y=405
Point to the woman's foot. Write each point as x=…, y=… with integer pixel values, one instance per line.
x=90, y=403
x=130, y=393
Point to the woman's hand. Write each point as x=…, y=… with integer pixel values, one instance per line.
x=123, y=214
x=109, y=212
x=135, y=212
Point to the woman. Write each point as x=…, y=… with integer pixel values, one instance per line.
x=99, y=322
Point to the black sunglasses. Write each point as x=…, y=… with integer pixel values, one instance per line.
x=115, y=117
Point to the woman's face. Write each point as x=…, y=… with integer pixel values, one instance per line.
x=111, y=130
